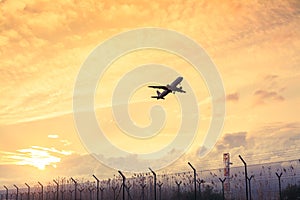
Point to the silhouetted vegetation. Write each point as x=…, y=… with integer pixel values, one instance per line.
x=208, y=193
x=291, y=192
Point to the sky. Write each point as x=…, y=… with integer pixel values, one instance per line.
x=254, y=45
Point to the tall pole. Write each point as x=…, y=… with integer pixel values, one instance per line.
x=6, y=195
x=154, y=175
x=246, y=176
x=42, y=190
x=195, y=182
x=222, y=181
x=97, y=186
x=75, y=190
x=279, y=184
x=17, y=192
x=28, y=191
x=57, y=188
x=123, y=184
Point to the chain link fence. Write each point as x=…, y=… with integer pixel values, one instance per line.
x=264, y=182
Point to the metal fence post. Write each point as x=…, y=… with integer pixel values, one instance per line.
x=246, y=176
x=97, y=186
x=154, y=174
x=195, y=182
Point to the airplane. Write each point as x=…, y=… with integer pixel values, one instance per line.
x=168, y=89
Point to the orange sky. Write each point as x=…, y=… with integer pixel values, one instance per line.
x=254, y=44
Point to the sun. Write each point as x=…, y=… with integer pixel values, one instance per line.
x=38, y=157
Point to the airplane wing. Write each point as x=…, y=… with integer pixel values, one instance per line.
x=179, y=90
x=182, y=91
x=159, y=87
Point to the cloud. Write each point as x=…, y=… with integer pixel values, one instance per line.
x=283, y=136
x=35, y=156
x=202, y=151
x=66, y=142
x=233, y=97
x=53, y=136
x=232, y=140
x=263, y=96
x=42, y=50
x=271, y=90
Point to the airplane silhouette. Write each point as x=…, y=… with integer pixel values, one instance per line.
x=168, y=89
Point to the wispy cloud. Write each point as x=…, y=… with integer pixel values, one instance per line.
x=38, y=84
x=264, y=96
x=233, y=97
x=270, y=91
x=35, y=156
x=53, y=136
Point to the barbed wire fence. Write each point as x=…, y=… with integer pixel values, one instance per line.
x=265, y=181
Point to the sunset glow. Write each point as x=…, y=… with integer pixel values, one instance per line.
x=255, y=46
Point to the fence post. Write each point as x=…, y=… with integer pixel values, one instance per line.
x=17, y=192
x=246, y=176
x=57, y=188
x=97, y=186
x=28, y=191
x=123, y=183
x=279, y=184
x=195, y=177
x=154, y=174
x=6, y=195
x=42, y=187
x=75, y=190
